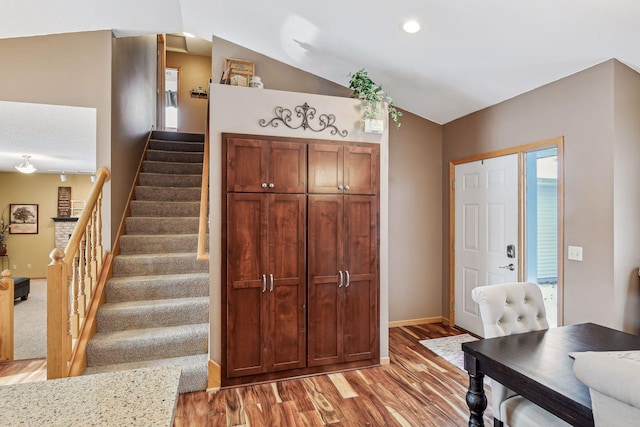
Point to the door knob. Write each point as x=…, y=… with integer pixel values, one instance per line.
x=509, y=267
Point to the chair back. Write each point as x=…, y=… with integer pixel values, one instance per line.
x=510, y=308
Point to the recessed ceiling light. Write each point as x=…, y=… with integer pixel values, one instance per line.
x=411, y=26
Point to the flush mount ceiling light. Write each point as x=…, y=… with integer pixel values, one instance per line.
x=25, y=166
x=412, y=26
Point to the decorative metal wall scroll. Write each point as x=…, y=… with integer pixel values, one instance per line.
x=306, y=113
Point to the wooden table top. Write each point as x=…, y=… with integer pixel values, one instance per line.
x=537, y=364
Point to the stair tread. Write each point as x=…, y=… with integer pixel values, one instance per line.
x=159, y=255
x=181, y=360
x=156, y=303
x=157, y=277
x=169, y=162
x=152, y=334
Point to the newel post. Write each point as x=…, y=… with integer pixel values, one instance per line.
x=58, y=336
x=6, y=316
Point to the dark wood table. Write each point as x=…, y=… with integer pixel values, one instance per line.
x=537, y=366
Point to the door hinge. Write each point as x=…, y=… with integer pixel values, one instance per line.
x=453, y=184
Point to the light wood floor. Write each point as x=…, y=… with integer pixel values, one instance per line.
x=417, y=388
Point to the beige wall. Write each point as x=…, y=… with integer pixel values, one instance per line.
x=415, y=219
x=580, y=108
x=40, y=189
x=626, y=252
x=275, y=74
x=63, y=69
x=415, y=166
x=133, y=116
x=195, y=71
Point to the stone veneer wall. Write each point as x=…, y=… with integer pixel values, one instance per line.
x=63, y=229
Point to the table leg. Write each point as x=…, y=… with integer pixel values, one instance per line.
x=476, y=399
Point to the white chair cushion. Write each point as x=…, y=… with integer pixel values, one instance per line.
x=521, y=412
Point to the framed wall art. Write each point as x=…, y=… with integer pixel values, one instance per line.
x=23, y=218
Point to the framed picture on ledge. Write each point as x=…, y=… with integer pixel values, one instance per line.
x=23, y=218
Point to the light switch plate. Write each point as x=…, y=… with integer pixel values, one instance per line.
x=574, y=253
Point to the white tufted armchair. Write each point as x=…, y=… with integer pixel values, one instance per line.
x=507, y=309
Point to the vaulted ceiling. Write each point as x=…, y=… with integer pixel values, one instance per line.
x=468, y=55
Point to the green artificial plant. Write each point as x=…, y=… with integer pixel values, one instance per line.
x=367, y=90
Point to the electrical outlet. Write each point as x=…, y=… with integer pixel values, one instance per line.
x=29, y=266
x=574, y=253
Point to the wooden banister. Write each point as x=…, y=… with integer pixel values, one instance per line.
x=72, y=283
x=6, y=316
x=203, y=225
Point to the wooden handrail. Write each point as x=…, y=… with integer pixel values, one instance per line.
x=203, y=224
x=72, y=283
x=6, y=316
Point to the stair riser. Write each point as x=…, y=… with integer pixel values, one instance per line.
x=147, y=266
x=162, y=145
x=192, y=311
x=164, y=209
x=185, y=342
x=151, y=225
x=168, y=194
x=153, y=288
x=177, y=136
x=172, y=168
x=164, y=180
x=174, y=156
x=142, y=244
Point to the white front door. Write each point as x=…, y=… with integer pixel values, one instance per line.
x=486, y=231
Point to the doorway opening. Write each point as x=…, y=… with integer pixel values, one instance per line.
x=540, y=229
x=172, y=79
x=541, y=225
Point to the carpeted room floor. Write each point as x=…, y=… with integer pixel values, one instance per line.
x=30, y=324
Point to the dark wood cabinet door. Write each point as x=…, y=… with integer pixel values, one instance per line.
x=246, y=296
x=287, y=167
x=360, y=331
x=247, y=165
x=326, y=168
x=325, y=260
x=361, y=166
x=287, y=281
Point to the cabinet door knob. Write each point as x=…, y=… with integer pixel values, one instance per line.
x=341, y=279
x=348, y=280
x=264, y=283
x=272, y=185
x=264, y=185
x=347, y=187
x=271, y=285
x=340, y=187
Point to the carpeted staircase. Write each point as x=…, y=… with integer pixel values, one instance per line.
x=157, y=303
